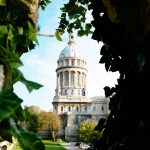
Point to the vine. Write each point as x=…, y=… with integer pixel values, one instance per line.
x=17, y=36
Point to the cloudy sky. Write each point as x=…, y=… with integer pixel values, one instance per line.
x=40, y=64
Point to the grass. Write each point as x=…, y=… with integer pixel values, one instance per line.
x=49, y=145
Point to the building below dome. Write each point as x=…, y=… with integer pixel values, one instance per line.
x=70, y=100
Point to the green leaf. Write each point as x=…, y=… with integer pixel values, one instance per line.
x=20, y=30
x=30, y=85
x=32, y=34
x=9, y=102
x=57, y=35
x=3, y=2
x=3, y=30
x=11, y=57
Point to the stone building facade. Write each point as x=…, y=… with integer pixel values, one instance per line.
x=70, y=100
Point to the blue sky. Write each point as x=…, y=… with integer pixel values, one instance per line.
x=40, y=64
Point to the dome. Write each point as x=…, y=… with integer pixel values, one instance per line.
x=70, y=50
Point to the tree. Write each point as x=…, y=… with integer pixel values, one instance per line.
x=124, y=28
x=51, y=121
x=31, y=120
x=86, y=132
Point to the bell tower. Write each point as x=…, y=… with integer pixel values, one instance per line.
x=71, y=74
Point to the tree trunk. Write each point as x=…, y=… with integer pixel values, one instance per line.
x=53, y=135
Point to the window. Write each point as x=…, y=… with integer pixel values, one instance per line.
x=69, y=108
x=94, y=108
x=85, y=109
x=61, y=79
x=78, y=63
x=65, y=92
x=67, y=62
x=72, y=92
x=72, y=62
x=72, y=78
x=77, y=108
x=102, y=108
x=78, y=78
x=66, y=78
x=62, y=109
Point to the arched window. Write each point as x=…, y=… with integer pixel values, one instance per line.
x=72, y=78
x=94, y=108
x=72, y=92
x=67, y=62
x=61, y=63
x=78, y=78
x=66, y=78
x=72, y=62
x=78, y=62
x=61, y=108
x=85, y=109
x=77, y=108
x=69, y=108
x=61, y=79
x=102, y=108
x=65, y=92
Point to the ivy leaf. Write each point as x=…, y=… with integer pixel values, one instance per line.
x=32, y=34
x=30, y=85
x=20, y=30
x=3, y=2
x=3, y=30
x=9, y=102
x=14, y=60
x=11, y=57
x=57, y=35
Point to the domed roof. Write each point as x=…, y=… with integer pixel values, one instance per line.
x=70, y=50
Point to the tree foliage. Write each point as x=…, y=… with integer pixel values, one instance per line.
x=124, y=28
x=30, y=122
x=86, y=132
x=51, y=121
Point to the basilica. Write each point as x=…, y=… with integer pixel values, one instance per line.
x=71, y=101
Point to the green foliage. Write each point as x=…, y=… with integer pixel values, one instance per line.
x=57, y=35
x=86, y=132
x=3, y=2
x=17, y=36
x=9, y=104
x=31, y=120
x=18, y=76
x=44, y=3
x=51, y=121
x=76, y=11
x=124, y=28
